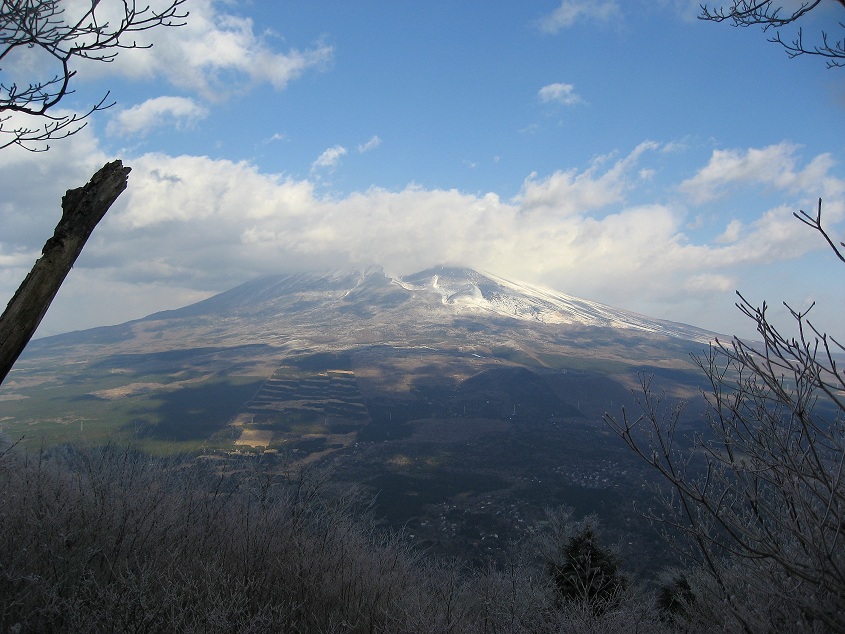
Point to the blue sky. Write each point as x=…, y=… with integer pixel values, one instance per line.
x=624, y=152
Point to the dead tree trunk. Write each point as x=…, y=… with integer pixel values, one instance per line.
x=82, y=209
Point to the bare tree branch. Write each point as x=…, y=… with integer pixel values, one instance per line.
x=46, y=27
x=816, y=223
x=60, y=32
x=771, y=15
x=760, y=497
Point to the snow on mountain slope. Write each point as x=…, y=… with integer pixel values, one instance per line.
x=345, y=298
x=469, y=290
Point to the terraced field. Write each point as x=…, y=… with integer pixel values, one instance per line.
x=311, y=414
x=333, y=394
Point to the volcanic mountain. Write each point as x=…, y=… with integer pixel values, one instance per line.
x=447, y=389
x=434, y=296
x=461, y=320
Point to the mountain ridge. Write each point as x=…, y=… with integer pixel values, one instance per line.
x=457, y=291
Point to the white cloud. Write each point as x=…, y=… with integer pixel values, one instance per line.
x=570, y=11
x=775, y=166
x=732, y=232
x=573, y=192
x=559, y=93
x=329, y=159
x=34, y=184
x=707, y=282
x=216, y=54
x=190, y=225
x=158, y=112
x=206, y=220
x=372, y=144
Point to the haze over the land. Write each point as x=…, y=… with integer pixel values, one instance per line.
x=621, y=152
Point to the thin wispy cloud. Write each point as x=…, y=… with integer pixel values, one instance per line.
x=776, y=166
x=568, y=192
x=372, y=144
x=559, y=93
x=329, y=159
x=571, y=11
x=177, y=112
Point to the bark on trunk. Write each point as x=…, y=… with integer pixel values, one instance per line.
x=82, y=209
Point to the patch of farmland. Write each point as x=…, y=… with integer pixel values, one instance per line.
x=326, y=395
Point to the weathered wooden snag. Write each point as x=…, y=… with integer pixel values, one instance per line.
x=82, y=209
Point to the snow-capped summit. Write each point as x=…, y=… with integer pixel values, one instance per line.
x=441, y=305
x=467, y=290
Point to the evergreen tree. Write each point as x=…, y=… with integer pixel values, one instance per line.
x=588, y=572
